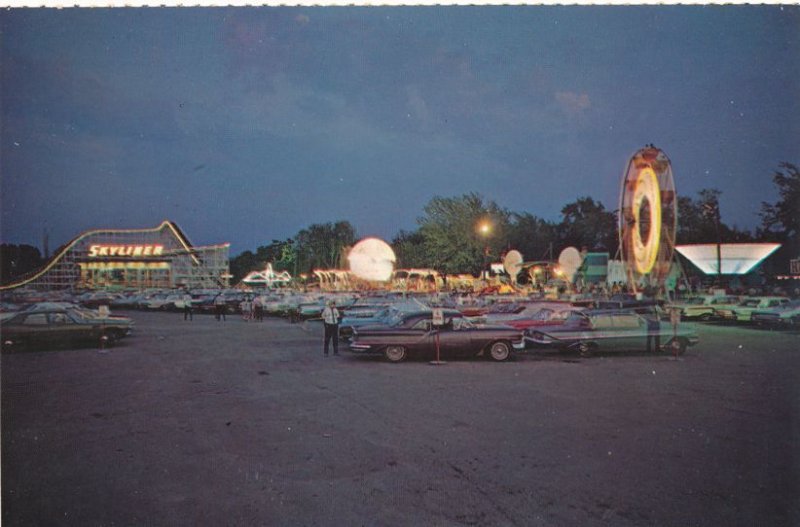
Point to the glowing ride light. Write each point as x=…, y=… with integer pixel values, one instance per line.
x=648, y=218
x=646, y=189
x=372, y=259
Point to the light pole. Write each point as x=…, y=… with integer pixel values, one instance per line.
x=484, y=229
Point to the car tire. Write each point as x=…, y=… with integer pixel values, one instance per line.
x=500, y=351
x=585, y=349
x=678, y=346
x=395, y=353
x=705, y=317
x=108, y=339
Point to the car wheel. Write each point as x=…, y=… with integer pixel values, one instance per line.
x=678, y=346
x=395, y=353
x=705, y=317
x=585, y=348
x=500, y=351
x=108, y=339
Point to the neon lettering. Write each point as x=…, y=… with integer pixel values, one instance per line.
x=125, y=250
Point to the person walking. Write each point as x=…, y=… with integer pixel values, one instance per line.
x=330, y=317
x=188, y=312
x=258, y=308
x=247, y=308
x=675, y=321
x=219, y=307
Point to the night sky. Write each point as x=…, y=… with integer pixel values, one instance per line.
x=246, y=125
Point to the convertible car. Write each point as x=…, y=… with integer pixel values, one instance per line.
x=613, y=331
x=61, y=326
x=416, y=336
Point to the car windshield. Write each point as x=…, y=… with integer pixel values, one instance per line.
x=750, y=303
x=461, y=323
x=396, y=320
x=723, y=300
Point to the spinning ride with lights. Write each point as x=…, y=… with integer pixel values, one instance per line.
x=648, y=215
x=372, y=259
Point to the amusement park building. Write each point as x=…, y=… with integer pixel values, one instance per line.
x=131, y=259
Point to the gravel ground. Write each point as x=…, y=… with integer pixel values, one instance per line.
x=241, y=423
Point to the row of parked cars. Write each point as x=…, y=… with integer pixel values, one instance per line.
x=776, y=311
x=498, y=331
x=399, y=326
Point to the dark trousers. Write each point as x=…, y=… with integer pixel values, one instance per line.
x=332, y=332
x=220, y=311
x=188, y=313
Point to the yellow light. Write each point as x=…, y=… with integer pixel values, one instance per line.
x=646, y=188
x=484, y=227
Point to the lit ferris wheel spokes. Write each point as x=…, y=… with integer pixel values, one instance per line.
x=646, y=197
x=648, y=217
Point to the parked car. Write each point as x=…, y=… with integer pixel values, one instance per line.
x=702, y=307
x=547, y=316
x=415, y=336
x=386, y=317
x=61, y=326
x=614, y=331
x=742, y=311
x=163, y=302
x=782, y=316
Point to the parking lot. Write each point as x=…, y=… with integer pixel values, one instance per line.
x=244, y=423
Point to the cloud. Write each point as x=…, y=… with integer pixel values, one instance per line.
x=573, y=103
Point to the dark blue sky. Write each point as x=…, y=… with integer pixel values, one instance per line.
x=245, y=125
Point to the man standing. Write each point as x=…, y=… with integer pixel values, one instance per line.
x=188, y=313
x=330, y=317
x=220, y=307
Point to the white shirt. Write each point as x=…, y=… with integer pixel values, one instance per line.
x=330, y=315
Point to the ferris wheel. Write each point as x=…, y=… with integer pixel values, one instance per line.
x=648, y=216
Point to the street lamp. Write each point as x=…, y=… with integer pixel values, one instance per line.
x=484, y=229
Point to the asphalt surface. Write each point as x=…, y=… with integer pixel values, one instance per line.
x=243, y=423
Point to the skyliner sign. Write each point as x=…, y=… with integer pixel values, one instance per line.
x=96, y=251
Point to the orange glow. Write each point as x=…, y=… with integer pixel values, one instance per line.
x=647, y=188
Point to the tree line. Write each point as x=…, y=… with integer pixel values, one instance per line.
x=448, y=237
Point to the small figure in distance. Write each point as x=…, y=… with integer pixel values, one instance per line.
x=219, y=307
x=188, y=313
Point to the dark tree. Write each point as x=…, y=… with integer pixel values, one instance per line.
x=409, y=249
x=587, y=223
x=18, y=260
x=782, y=219
x=532, y=236
x=452, y=236
x=324, y=245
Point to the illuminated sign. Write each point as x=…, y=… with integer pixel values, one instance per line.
x=113, y=266
x=125, y=250
x=736, y=258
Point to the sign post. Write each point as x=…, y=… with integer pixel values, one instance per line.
x=437, y=320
